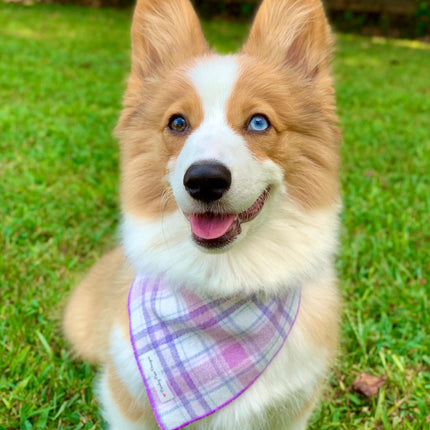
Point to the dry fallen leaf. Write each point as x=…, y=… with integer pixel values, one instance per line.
x=368, y=385
x=383, y=182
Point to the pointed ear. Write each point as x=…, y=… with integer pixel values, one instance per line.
x=164, y=33
x=292, y=32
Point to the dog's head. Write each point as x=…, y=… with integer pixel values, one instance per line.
x=229, y=155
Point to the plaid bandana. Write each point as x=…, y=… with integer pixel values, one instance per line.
x=196, y=354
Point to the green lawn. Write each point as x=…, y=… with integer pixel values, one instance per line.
x=62, y=72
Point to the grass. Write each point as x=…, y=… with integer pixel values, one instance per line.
x=62, y=72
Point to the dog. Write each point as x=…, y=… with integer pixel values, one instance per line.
x=220, y=309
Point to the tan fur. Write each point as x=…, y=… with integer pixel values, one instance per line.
x=319, y=317
x=98, y=300
x=101, y=301
x=124, y=400
x=304, y=139
x=147, y=145
x=161, y=41
x=293, y=32
x=161, y=44
x=285, y=75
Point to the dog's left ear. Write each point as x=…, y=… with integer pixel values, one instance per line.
x=294, y=33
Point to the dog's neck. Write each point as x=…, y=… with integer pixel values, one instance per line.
x=294, y=246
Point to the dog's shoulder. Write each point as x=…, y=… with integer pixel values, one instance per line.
x=98, y=301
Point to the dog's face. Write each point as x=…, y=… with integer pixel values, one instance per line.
x=222, y=144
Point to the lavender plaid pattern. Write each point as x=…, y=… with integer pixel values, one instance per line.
x=197, y=355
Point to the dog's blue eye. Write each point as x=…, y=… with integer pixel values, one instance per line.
x=178, y=124
x=258, y=123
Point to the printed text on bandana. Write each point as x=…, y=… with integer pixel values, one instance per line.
x=154, y=370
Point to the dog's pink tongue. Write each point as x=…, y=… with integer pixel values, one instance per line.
x=210, y=226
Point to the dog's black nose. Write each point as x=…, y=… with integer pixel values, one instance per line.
x=207, y=181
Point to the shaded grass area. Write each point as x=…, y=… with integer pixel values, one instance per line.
x=62, y=72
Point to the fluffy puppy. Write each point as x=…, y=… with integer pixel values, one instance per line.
x=229, y=189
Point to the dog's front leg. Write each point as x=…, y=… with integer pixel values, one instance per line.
x=120, y=410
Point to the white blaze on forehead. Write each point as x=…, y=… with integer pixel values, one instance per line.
x=214, y=79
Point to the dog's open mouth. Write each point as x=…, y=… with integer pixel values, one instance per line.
x=215, y=230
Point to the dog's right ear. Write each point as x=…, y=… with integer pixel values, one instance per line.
x=164, y=34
